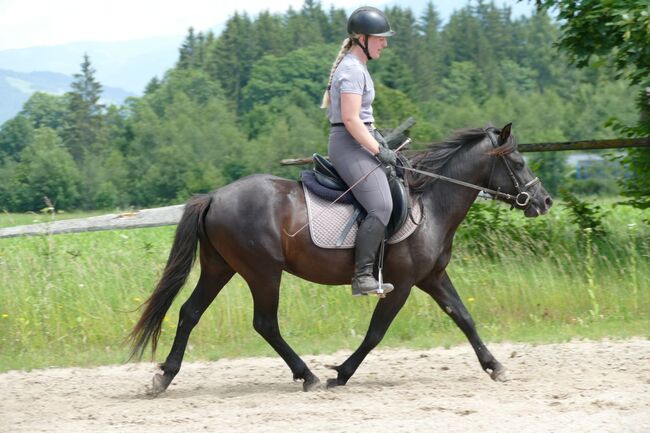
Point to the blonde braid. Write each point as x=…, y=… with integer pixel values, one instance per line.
x=345, y=47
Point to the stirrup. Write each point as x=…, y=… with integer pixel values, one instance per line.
x=380, y=291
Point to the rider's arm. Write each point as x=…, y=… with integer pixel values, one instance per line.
x=350, y=108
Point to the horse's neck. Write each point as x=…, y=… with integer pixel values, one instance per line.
x=449, y=203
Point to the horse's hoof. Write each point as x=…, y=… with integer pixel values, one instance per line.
x=311, y=384
x=332, y=383
x=159, y=385
x=499, y=374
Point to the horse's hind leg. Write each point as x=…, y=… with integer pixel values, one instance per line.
x=266, y=293
x=215, y=273
x=442, y=290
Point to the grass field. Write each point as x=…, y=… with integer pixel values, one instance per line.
x=71, y=299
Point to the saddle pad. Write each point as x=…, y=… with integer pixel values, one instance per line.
x=327, y=221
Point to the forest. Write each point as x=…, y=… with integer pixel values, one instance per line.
x=238, y=102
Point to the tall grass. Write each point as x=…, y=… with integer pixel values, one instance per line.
x=71, y=299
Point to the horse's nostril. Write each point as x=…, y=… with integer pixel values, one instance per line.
x=548, y=202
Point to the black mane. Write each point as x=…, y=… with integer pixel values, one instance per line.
x=438, y=154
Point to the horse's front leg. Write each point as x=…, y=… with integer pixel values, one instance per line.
x=440, y=287
x=385, y=311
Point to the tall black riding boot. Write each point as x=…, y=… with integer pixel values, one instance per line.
x=369, y=237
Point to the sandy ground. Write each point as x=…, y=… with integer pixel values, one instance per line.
x=574, y=387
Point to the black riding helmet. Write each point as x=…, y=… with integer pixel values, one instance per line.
x=368, y=21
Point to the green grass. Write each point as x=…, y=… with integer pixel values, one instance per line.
x=71, y=299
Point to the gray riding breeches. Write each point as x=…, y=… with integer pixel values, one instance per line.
x=353, y=162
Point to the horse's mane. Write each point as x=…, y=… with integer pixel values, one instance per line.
x=436, y=156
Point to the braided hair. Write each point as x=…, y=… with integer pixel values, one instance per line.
x=345, y=48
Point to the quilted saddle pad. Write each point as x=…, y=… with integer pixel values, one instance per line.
x=327, y=223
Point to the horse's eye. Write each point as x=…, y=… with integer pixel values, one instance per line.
x=518, y=163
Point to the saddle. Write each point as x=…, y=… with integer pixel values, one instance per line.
x=324, y=181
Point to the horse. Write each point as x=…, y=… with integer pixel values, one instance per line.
x=246, y=227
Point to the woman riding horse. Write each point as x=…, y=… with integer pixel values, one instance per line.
x=354, y=143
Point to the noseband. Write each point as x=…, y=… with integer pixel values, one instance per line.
x=522, y=200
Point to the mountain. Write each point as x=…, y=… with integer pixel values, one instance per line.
x=128, y=64
x=17, y=87
x=123, y=69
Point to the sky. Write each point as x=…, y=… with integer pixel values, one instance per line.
x=28, y=23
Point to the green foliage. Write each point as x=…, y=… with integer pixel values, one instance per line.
x=15, y=135
x=45, y=172
x=276, y=76
x=84, y=119
x=616, y=33
x=45, y=110
x=586, y=216
x=551, y=168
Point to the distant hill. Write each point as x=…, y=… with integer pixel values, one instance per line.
x=123, y=69
x=128, y=65
x=17, y=87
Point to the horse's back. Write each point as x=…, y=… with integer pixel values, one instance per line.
x=253, y=213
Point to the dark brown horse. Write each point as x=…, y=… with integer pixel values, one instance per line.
x=243, y=228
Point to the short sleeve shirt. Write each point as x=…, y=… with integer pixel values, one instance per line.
x=351, y=76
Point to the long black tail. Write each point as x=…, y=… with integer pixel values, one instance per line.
x=179, y=264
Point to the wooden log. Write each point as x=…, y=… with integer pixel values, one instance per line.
x=169, y=215
x=617, y=143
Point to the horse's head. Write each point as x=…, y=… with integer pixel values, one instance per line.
x=509, y=174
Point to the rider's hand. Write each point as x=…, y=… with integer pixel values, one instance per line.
x=387, y=156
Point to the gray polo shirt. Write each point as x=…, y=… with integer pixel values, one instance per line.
x=351, y=76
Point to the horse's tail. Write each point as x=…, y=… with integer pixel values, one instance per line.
x=179, y=264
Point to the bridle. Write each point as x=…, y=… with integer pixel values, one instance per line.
x=521, y=200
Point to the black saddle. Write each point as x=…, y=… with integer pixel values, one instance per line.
x=325, y=182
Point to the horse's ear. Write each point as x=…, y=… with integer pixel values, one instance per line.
x=505, y=133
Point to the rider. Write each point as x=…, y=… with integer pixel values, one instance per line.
x=354, y=144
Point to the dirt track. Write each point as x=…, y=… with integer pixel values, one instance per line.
x=573, y=387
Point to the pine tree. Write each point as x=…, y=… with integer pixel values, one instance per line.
x=85, y=112
x=270, y=34
x=187, y=51
x=428, y=68
x=336, y=30
x=231, y=57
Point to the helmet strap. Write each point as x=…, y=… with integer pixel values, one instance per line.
x=364, y=47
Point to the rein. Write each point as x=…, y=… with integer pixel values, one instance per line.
x=462, y=183
x=522, y=199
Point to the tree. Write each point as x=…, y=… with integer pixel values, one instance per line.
x=615, y=33
x=303, y=69
x=15, y=135
x=269, y=33
x=85, y=112
x=188, y=51
x=231, y=57
x=45, y=110
x=428, y=68
x=46, y=170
